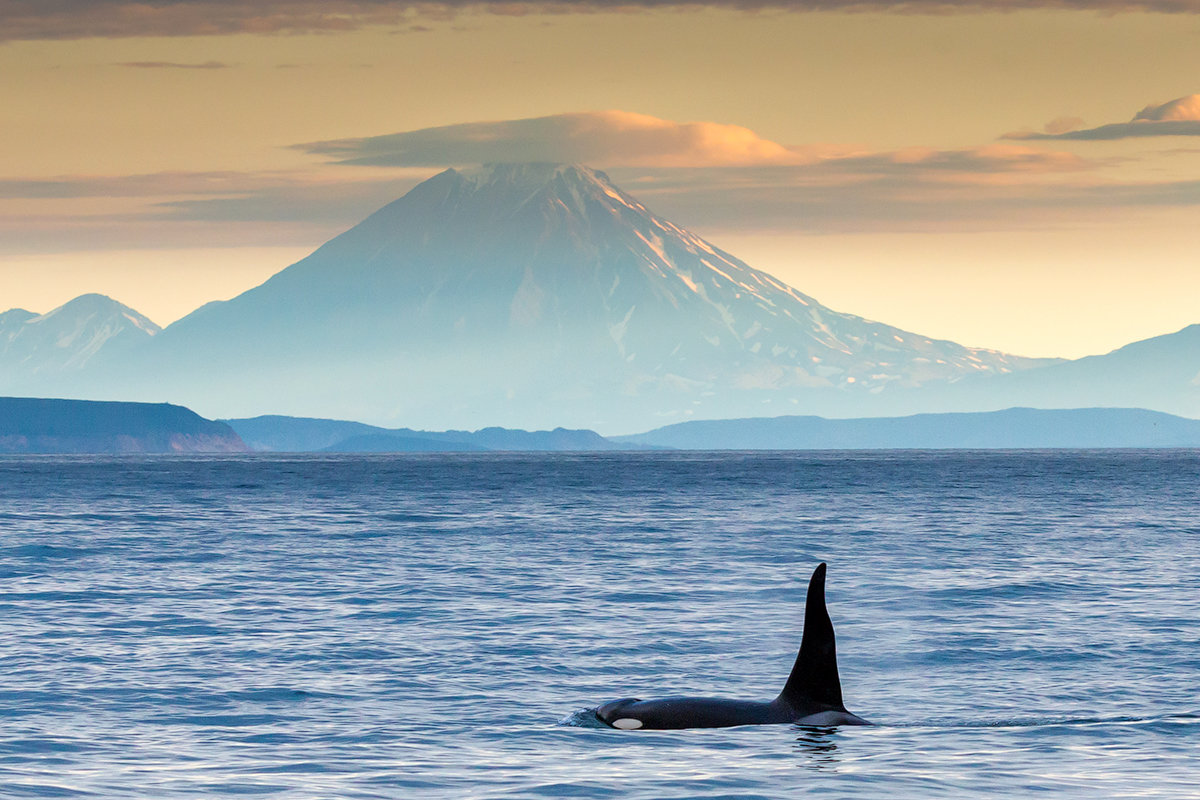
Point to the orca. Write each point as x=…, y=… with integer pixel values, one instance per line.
x=812, y=695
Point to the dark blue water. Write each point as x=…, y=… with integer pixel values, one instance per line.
x=1018, y=624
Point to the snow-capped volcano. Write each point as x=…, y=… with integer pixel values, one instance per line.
x=69, y=338
x=528, y=295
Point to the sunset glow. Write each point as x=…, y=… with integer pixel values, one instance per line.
x=1021, y=180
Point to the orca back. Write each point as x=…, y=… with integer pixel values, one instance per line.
x=814, y=684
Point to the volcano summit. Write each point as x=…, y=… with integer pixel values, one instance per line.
x=526, y=295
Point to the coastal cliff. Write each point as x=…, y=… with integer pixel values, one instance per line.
x=41, y=425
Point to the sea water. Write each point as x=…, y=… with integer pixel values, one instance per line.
x=1016, y=624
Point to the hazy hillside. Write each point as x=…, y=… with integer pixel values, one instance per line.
x=1162, y=373
x=297, y=434
x=1011, y=428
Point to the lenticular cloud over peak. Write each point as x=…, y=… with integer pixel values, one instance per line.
x=611, y=138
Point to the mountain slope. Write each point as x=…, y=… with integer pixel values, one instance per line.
x=524, y=295
x=526, y=251
x=1160, y=373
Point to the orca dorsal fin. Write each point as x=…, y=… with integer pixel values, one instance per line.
x=814, y=680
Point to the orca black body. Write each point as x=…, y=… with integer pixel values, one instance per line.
x=811, y=696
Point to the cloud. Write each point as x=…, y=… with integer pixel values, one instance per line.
x=600, y=138
x=1178, y=110
x=981, y=161
x=710, y=176
x=988, y=188
x=150, y=185
x=172, y=65
x=858, y=191
x=325, y=205
x=211, y=196
x=188, y=209
x=881, y=197
x=714, y=175
x=610, y=139
x=984, y=188
x=1063, y=125
x=1178, y=117
x=77, y=19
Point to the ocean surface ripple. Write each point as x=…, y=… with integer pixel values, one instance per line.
x=1016, y=623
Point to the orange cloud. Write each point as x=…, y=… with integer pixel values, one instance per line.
x=991, y=158
x=1063, y=125
x=1177, y=110
x=599, y=138
x=609, y=139
x=1178, y=117
x=716, y=174
x=173, y=65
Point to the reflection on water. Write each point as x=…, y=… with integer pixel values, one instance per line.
x=818, y=746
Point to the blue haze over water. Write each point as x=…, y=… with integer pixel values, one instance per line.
x=1017, y=623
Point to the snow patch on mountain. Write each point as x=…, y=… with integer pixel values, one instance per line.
x=68, y=338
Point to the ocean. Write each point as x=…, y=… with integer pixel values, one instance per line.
x=1016, y=624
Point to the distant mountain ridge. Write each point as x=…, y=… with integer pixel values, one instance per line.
x=1161, y=373
x=1013, y=428
x=35, y=425
x=531, y=295
x=274, y=433
x=519, y=295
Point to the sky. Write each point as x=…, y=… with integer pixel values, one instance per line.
x=1015, y=175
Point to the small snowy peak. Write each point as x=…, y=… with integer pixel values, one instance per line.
x=479, y=206
x=528, y=179
x=574, y=187
x=15, y=316
x=70, y=336
x=99, y=305
x=11, y=321
x=533, y=173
